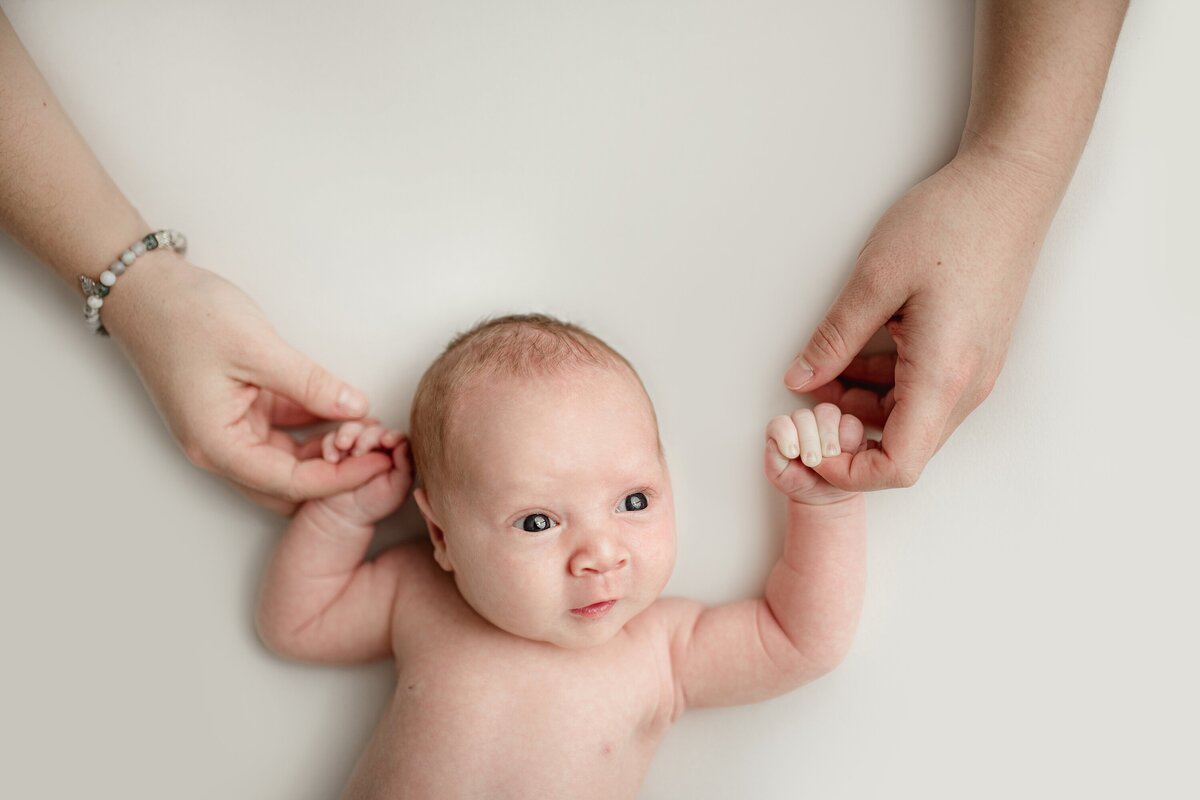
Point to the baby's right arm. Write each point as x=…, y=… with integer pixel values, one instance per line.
x=320, y=600
x=803, y=624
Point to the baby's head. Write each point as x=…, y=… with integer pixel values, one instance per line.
x=544, y=485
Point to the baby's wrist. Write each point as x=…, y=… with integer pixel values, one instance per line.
x=830, y=505
x=336, y=516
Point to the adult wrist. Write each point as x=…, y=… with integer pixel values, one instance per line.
x=1023, y=163
x=1025, y=192
x=143, y=290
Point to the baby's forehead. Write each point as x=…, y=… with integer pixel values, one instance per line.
x=572, y=384
x=604, y=408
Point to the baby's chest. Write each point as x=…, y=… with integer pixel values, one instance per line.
x=522, y=713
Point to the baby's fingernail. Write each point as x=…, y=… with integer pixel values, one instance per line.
x=798, y=374
x=832, y=450
x=792, y=451
x=811, y=459
x=352, y=401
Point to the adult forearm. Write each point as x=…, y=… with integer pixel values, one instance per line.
x=815, y=591
x=55, y=197
x=1039, y=72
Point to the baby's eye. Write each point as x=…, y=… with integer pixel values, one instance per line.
x=634, y=502
x=535, y=523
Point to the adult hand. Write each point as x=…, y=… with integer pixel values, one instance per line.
x=227, y=385
x=945, y=271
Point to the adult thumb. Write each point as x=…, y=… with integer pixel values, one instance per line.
x=862, y=308
x=300, y=379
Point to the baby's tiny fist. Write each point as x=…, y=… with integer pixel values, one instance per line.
x=357, y=438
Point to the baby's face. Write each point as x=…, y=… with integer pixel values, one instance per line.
x=565, y=503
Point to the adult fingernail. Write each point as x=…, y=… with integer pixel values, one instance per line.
x=798, y=374
x=351, y=401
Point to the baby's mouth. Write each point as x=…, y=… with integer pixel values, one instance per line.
x=595, y=610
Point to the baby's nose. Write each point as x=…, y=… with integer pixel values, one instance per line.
x=598, y=554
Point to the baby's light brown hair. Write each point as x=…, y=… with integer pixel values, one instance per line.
x=516, y=345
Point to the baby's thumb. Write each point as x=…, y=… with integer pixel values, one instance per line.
x=858, y=312
x=295, y=376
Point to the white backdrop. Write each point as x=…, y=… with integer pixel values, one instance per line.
x=692, y=180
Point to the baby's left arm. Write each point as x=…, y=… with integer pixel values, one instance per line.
x=804, y=623
x=321, y=599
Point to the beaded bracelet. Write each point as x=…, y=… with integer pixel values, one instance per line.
x=94, y=292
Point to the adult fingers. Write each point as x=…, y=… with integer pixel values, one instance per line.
x=913, y=431
x=868, y=405
x=288, y=414
x=864, y=305
x=264, y=468
x=876, y=368
x=296, y=377
x=871, y=407
x=924, y=401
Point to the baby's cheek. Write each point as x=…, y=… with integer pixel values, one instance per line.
x=659, y=557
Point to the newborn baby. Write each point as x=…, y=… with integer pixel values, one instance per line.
x=534, y=656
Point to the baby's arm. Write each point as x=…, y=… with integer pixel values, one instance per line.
x=803, y=625
x=320, y=600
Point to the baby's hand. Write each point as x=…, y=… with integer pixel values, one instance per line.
x=382, y=494
x=797, y=445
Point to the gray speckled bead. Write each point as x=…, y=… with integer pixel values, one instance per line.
x=96, y=290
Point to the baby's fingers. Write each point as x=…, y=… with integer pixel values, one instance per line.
x=783, y=443
x=828, y=417
x=809, y=435
x=347, y=434
x=369, y=439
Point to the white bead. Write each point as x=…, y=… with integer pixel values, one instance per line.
x=127, y=257
x=108, y=278
x=139, y=248
x=95, y=302
x=117, y=267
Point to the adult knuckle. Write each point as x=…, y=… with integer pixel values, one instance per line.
x=829, y=341
x=907, y=475
x=314, y=380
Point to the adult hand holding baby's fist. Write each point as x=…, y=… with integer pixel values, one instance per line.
x=379, y=495
x=945, y=271
x=228, y=386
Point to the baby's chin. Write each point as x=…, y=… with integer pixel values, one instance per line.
x=578, y=632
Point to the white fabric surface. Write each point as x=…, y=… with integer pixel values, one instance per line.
x=693, y=182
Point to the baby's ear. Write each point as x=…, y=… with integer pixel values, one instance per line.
x=436, y=535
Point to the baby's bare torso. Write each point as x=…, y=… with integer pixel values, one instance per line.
x=479, y=712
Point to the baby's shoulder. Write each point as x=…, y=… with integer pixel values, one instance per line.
x=419, y=571
x=665, y=621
